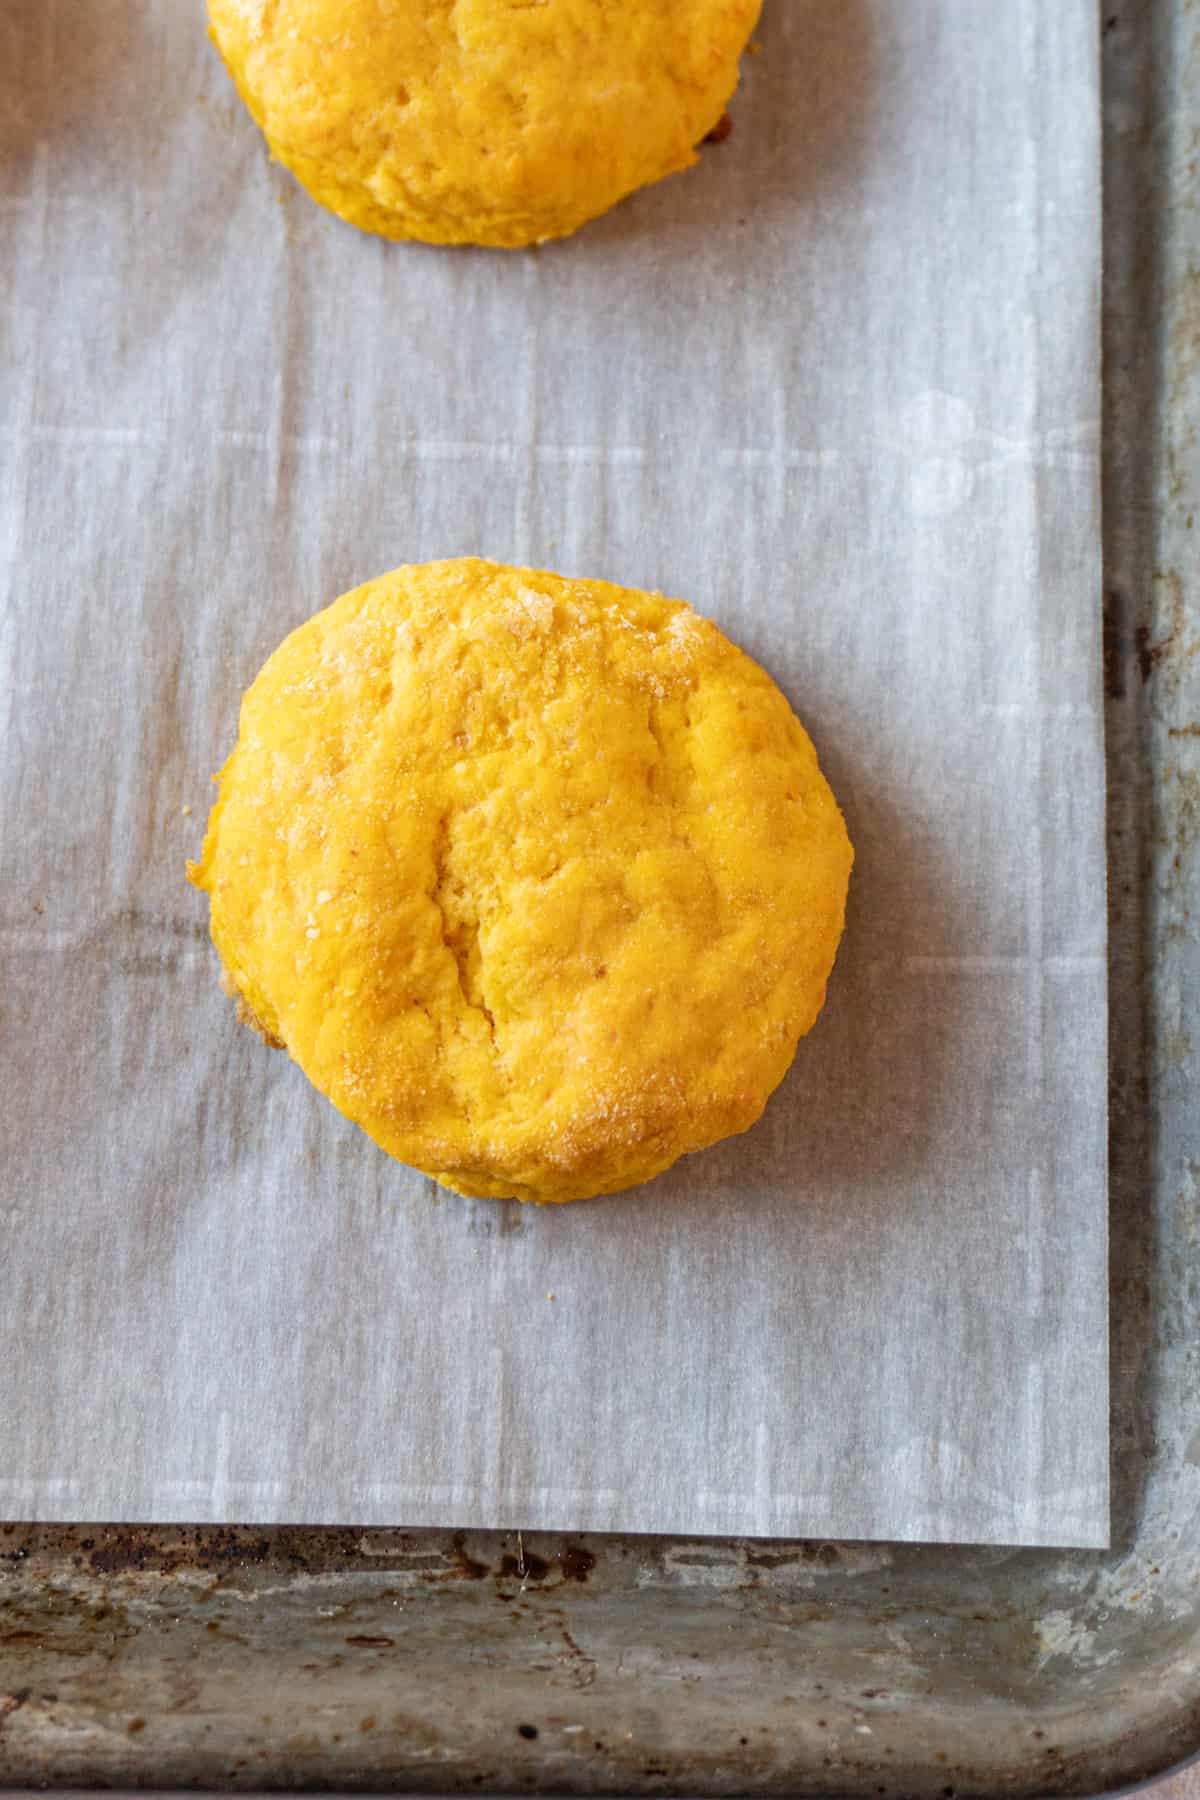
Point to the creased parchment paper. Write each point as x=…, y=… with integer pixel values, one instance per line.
x=839, y=387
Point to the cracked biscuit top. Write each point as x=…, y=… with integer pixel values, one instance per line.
x=481, y=121
x=537, y=879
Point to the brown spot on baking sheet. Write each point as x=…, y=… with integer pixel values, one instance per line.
x=122, y=1550
x=466, y=1566
x=583, y=1667
x=529, y=1567
x=11, y=1703
x=1149, y=655
x=576, y=1562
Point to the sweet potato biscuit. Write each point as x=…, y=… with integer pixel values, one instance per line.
x=481, y=121
x=537, y=879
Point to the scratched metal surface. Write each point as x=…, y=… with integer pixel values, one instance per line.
x=425, y=1661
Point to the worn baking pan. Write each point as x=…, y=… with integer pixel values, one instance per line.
x=425, y=1661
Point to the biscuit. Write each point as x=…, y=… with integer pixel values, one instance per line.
x=481, y=121
x=537, y=879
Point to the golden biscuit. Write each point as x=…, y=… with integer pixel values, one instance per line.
x=538, y=880
x=481, y=121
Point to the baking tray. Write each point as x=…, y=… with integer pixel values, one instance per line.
x=431, y=1661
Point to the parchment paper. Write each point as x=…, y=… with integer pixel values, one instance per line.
x=839, y=387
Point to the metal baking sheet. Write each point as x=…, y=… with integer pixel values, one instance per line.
x=829, y=387
x=427, y=1661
